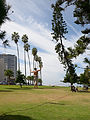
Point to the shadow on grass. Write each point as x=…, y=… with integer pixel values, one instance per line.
x=15, y=117
x=54, y=103
x=84, y=91
x=23, y=88
x=6, y=91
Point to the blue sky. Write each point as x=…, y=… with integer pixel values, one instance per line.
x=33, y=17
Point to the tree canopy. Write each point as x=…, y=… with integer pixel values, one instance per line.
x=4, y=9
x=59, y=27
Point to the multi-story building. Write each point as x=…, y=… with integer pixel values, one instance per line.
x=7, y=61
x=2, y=68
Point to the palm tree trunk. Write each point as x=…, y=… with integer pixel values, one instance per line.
x=29, y=63
x=40, y=74
x=40, y=77
x=33, y=63
x=8, y=80
x=25, y=63
x=18, y=57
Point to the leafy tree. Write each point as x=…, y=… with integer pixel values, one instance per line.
x=86, y=60
x=25, y=40
x=82, y=14
x=59, y=28
x=85, y=77
x=34, y=52
x=20, y=78
x=15, y=38
x=4, y=9
x=70, y=78
x=8, y=73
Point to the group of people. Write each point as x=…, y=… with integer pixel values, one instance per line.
x=74, y=89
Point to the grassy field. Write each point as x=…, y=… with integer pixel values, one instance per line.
x=44, y=103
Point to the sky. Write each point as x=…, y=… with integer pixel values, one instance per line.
x=33, y=17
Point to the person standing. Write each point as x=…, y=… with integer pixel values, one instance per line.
x=35, y=77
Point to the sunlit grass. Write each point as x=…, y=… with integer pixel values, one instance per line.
x=44, y=103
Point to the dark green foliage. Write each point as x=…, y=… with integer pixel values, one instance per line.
x=8, y=73
x=4, y=9
x=86, y=60
x=34, y=51
x=26, y=47
x=82, y=12
x=20, y=78
x=40, y=81
x=79, y=47
x=25, y=38
x=59, y=31
x=70, y=78
x=15, y=37
x=85, y=77
x=86, y=31
x=58, y=24
x=59, y=28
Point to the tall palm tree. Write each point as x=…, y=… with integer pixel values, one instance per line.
x=15, y=38
x=41, y=65
x=39, y=59
x=25, y=40
x=34, y=52
x=36, y=59
x=27, y=48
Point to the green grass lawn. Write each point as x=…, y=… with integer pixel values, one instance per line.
x=44, y=103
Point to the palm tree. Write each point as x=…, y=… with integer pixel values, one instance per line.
x=41, y=65
x=39, y=59
x=27, y=48
x=25, y=40
x=34, y=52
x=15, y=38
x=8, y=73
x=36, y=59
